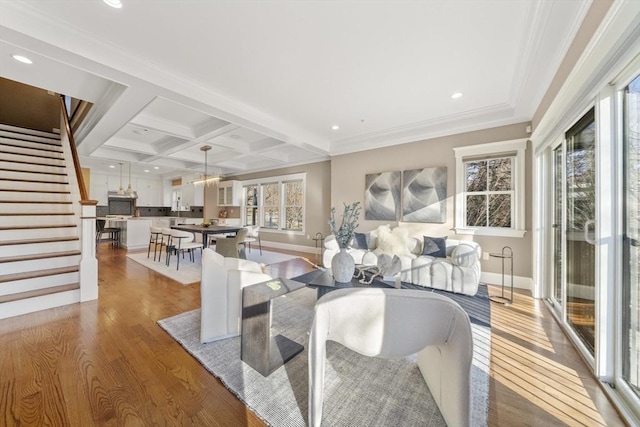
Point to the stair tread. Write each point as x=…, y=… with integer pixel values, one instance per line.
x=38, y=256
x=38, y=273
x=47, y=147
x=39, y=202
x=36, y=213
x=29, y=171
x=39, y=292
x=22, y=162
x=43, y=240
x=19, y=190
x=36, y=181
x=25, y=131
x=39, y=156
x=33, y=227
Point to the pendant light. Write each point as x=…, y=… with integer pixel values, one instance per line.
x=121, y=190
x=129, y=189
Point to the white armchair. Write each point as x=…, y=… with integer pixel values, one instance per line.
x=391, y=323
x=221, y=294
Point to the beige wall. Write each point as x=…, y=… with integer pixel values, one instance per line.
x=348, y=181
x=317, y=200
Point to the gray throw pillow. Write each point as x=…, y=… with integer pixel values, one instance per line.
x=361, y=241
x=435, y=247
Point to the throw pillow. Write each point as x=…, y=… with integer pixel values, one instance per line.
x=361, y=241
x=435, y=247
x=393, y=242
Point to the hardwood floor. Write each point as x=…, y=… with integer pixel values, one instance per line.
x=107, y=362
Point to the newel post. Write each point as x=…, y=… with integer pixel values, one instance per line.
x=88, y=260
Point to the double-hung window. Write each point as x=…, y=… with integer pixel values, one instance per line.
x=490, y=189
x=276, y=203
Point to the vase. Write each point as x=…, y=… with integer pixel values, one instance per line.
x=342, y=266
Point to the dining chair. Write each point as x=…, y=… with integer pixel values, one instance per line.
x=183, y=241
x=166, y=243
x=232, y=247
x=155, y=239
x=253, y=235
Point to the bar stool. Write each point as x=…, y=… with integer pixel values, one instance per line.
x=155, y=239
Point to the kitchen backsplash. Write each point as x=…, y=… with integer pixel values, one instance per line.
x=193, y=212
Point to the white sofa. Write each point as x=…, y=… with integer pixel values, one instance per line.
x=458, y=272
x=221, y=293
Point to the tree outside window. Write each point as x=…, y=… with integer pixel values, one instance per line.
x=251, y=205
x=271, y=205
x=294, y=203
x=489, y=192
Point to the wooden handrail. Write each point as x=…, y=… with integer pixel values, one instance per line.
x=84, y=196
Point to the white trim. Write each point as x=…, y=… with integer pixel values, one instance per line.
x=518, y=166
x=519, y=282
x=289, y=246
x=44, y=302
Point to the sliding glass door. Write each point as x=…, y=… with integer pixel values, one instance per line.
x=631, y=240
x=574, y=212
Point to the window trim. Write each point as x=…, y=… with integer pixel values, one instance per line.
x=493, y=149
x=280, y=180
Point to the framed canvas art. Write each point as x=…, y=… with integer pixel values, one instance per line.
x=382, y=196
x=424, y=195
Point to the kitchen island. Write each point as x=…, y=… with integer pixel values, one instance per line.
x=135, y=232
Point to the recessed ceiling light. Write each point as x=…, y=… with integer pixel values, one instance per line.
x=156, y=167
x=234, y=136
x=141, y=131
x=146, y=170
x=335, y=127
x=22, y=59
x=111, y=166
x=457, y=95
x=114, y=3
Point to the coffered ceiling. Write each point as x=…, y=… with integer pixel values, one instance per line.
x=265, y=83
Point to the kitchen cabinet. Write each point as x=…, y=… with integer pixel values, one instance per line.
x=229, y=193
x=149, y=192
x=99, y=188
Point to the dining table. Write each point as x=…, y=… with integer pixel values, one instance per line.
x=206, y=231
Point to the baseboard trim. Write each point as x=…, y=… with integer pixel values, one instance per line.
x=288, y=246
x=519, y=282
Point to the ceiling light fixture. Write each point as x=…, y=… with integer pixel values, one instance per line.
x=121, y=190
x=111, y=166
x=206, y=180
x=129, y=190
x=456, y=95
x=116, y=4
x=146, y=170
x=156, y=167
x=141, y=131
x=22, y=59
x=335, y=127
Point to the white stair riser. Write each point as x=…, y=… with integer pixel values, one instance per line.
x=38, y=233
x=38, y=248
x=8, y=207
x=5, y=142
x=24, y=169
x=30, y=151
x=15, y=129
x=29, y=305
x=38, y=186
x=35, y=265
x=26, y=158
x=38, y=219
x=29, y=176
x=10, y=288
x=45, y=197
x=23, y=136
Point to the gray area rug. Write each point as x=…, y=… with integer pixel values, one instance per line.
x=190, y=272
x=359, y=390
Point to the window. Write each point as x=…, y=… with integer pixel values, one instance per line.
x=276, y=203
x=293, y=206
x=490, y=189
x=251, y=204
x=271, y=204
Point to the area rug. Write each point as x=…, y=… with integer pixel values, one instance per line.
x=359, y=390
x=190, y=272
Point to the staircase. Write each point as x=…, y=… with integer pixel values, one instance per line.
x=40, y=247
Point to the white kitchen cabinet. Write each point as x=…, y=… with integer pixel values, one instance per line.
x=99, y=188
x=149, y=192
x=229, y=193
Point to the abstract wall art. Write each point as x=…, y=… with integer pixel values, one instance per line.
x=424, y=195
x=382, y=196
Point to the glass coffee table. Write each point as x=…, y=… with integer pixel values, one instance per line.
x=324, y=284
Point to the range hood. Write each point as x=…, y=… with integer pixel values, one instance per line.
x=115, y=195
